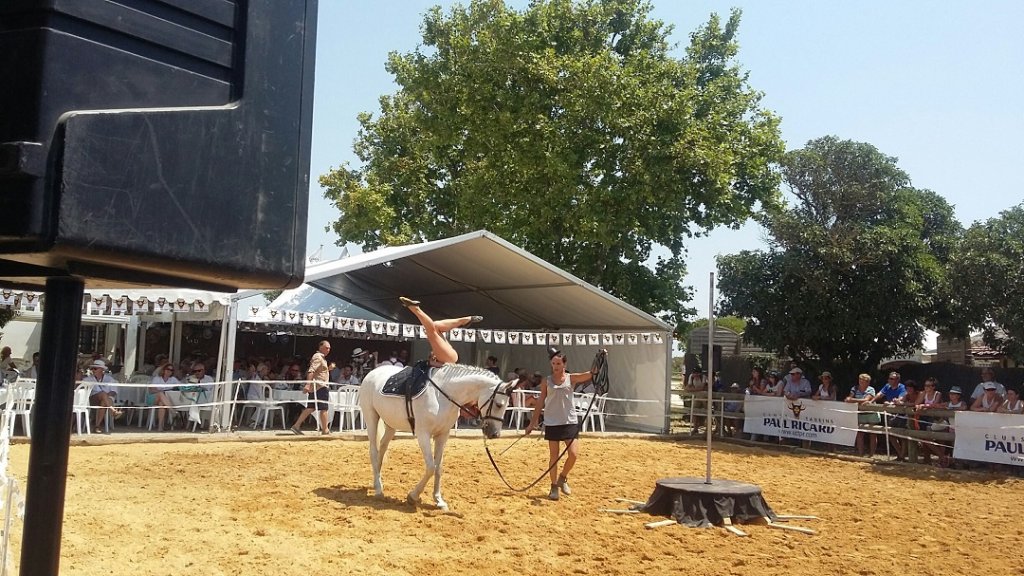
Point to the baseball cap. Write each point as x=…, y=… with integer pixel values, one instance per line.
x=826, y=374
x=955, y=390
x=989, y=386
x=98, y=364
x=796, y=370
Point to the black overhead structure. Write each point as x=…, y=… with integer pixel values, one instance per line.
x=148, y=143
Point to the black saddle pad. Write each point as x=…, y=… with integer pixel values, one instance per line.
x=410, y=381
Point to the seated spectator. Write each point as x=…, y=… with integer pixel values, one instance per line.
x=987, y=376
x=863, y=393
x=1013, y=403
x=348, y=376
x=826, y=390
x=33, y=370
x=989, y=401
x=492, y=365
x=103, y=392
x=796, y=386
x=156, y=397
x=394, y=361
x=525, y=382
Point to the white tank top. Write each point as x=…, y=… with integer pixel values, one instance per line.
x=559, y=408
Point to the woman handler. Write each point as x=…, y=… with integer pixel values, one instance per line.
x=561, y=423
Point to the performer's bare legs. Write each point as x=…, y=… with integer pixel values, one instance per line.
x=435, y=330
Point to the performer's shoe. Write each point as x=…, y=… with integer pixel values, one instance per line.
x=408, y=302
x=475, y=320
x=564, y=485
x=553, y=494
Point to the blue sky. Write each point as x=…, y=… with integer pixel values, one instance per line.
x=938, y=84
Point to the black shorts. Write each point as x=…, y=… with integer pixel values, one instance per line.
x=322, y=397
x=563, y=432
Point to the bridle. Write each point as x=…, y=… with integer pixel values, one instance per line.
x=484, y=410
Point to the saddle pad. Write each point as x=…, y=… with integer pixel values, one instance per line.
x=409, y=382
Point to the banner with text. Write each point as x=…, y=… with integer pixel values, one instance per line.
x=988, y=437
x=805, y=419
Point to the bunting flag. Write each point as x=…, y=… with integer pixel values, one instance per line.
x=422, y=332
x=8, y=298
x=527, y=338
x=632, y=339
x=359, y=325
x=470, y=335
x=619, y=339
x=566, y=339
x=29, y=302
x=292, y=317
x=658, y=338
x=326, y=321
x=393, y=328
x=119, y=306
x=180, y=306
x=606, y=339
x=98, y=305
x=455, y=335
x=409, y=330
x=513, y=337
x=581, y=339
x=200, y=306
x=499, y=336
x=140, y=306
x=554, y=339
x=376, y=326
x=161, y=305
x=485, y=335
x=593, y=339
x=310, y=319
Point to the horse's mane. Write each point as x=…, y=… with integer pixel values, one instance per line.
x=460, y=370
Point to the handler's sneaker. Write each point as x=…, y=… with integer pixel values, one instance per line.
x=553, y=495
x=296, y=431
x=564, y=485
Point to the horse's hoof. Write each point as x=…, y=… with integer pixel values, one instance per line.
x=408, y=302
x=410, y=500
x=442, y=505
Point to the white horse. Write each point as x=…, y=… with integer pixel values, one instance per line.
x=435, y=410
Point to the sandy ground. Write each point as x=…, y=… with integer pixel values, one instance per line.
x=304, y=507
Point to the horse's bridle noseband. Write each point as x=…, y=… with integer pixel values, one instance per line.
x=483, y=410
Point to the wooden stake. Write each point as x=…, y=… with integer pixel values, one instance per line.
x=616, y=511
x=727, y=524
x=785, y=517
x=785, y=527
x=660, y=523
x=628, y=501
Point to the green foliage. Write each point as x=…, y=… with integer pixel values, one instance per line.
x=988, y=276
x=571, y=130
x=856, y=266
x=6, y=314
x=272, y=295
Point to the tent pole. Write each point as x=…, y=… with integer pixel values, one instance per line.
x=710, y=371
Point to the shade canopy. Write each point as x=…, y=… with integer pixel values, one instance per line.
x=477, y=273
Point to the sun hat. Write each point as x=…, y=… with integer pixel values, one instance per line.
x=826, y=374
x=358, y=352
x=98, y=364
x=796, y=370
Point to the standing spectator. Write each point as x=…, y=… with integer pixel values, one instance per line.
x=1013, y=403
x=403, y=356
x=892, y=389
x=758, y=384
x=317, y=387
x=989, y=401
x=826, y=390
x=863, y=393
x=987, y=377
x=561, y=422
x=363, y=361
x=797, y=386
x=103, y=392
x=696, y=384
x=955, y=404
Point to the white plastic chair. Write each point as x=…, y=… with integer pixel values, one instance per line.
x=596, y=414
x=80, y=408
x=270, y=405
x=348, y=407
x=23, y=394
x=518, y=409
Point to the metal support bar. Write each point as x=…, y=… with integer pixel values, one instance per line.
x=51, y=428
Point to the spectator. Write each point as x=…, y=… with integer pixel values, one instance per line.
x=758, y=384
x=198, y=375
x=909, y=399
x=796, y=386
x=7, y=365
x=393, y=360
x=158, y=364
x=317, y=388
x=492, y=365
x=930, y=397
x=33, y=370
x=955, y=400
x=696, y=384
x=989, y=401
x=987, y=376
x=525, y=382
x=103, y=392
x=955, y=404
x=348, y=377
x=362, y=362
x=775, y=384
x=1013, y=403
x=403, y=356
x=860, y=394
x=826, y=390
x=156, y=398
x=892, y=389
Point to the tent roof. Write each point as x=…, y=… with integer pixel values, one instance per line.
x=476, y=273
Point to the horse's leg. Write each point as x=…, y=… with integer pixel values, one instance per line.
x=385, y=441
x=423, y=438
x=439, y=444
x=371, y=419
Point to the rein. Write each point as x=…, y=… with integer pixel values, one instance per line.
x=599, y=371
x=484, y=410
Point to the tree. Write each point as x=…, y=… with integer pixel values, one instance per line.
x=571, y=130
x=856, y=266
x=988, y=273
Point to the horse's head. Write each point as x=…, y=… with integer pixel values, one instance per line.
x=493, y=402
